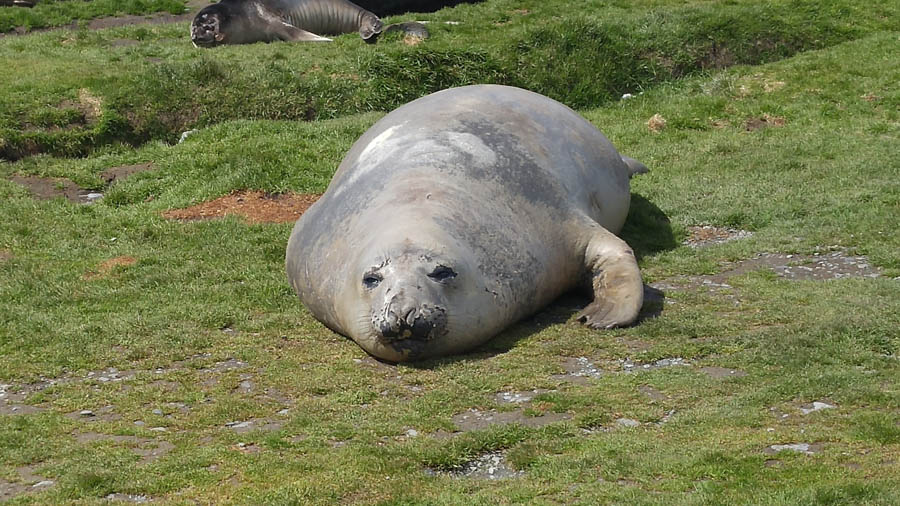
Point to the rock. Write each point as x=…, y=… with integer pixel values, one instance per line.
x=815, y=406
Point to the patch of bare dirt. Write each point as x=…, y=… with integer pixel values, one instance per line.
x=121, y=172
x=254, y=206
x=28, y=482
x=707, y=235
x=107, y=266
x=48, y=188
x=763, y=121
x=5, y=255
x=817, y=267
x=722, y=372
x=474, y=419
x=12, y=402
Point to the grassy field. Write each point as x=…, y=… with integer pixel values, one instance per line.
x=49, y=13
x=146, y=358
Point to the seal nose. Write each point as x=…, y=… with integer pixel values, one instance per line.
x=403, y=318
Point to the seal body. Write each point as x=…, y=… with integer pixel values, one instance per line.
x=248, y=21
x=460, y=213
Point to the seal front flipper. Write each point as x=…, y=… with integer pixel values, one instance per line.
x=292, y=33
x=615, y=281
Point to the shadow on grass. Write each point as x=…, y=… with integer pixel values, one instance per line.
x=647, y=230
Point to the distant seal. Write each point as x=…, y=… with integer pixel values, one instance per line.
x=460, y=213
x=248, y=21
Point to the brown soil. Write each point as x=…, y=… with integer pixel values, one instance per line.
x=107, y=266
x=254, y=206
x=706, y=235
x=47, y=188
x=114, y=174
x=5, y=255
x=762, y=122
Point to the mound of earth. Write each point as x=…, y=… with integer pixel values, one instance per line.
x=254, y=206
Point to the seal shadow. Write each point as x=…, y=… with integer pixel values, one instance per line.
x=647, y=230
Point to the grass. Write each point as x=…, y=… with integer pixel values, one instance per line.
x=201, y=293
x=50, y=13
x=83, y=89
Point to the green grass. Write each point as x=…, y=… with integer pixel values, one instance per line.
x=49, y=13
x=149, y=83
x=200, y=293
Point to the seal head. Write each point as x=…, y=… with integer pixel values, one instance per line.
x=409, y=293
x=209, y=26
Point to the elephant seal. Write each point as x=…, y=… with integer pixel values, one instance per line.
x=460, y=213
x=248, y=21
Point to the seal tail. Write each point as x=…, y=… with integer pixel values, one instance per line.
x=634, y=167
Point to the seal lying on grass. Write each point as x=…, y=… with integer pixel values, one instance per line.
x=461, y=213
x=248, y=21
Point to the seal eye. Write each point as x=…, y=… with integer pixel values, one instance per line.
x=372, y=279
x=442, y=273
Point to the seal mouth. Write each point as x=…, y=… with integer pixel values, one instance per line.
x=203, y=38
x=422, y=323
x=205, y=30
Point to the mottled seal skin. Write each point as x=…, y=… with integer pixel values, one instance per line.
x=249, y=21
x=461, y=213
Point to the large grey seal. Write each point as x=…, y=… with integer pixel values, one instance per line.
x=248, y=21
x=460, y=213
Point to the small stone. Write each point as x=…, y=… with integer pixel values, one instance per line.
x=284, y=411
x=42, y=484
x=626, y=96
x=412, y=433
x=627, y=422
x=157, y=411
x=86, y=413
x=185, y=135
x=808, y=449
x=159, y=429
x=139, y=423
x=816, y=406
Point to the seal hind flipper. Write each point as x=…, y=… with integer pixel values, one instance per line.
x=615, y=282
x=634, y=166
x=370, y=28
